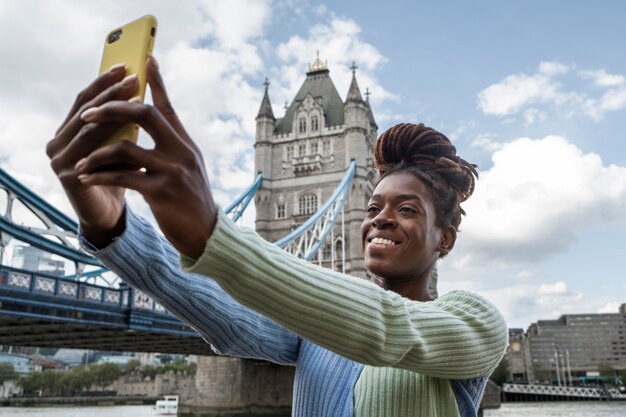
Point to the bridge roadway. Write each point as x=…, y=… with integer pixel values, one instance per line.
x=37, y=309
x=562, y=392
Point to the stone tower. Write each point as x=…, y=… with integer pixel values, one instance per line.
x=304, y=155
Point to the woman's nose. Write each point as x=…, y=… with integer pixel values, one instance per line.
x=384, y=219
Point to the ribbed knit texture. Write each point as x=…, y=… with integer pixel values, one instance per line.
x=401, y=393
x=325, y=380
x=459, y=335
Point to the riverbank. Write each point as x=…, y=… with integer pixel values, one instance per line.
x=76, y=401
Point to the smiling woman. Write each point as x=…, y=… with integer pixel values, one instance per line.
x=360, y=348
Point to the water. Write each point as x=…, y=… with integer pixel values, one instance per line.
x=544, y=409
x=112, y=411
x=560, y=409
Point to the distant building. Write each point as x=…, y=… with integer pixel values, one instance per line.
x=72, y=357
x=569, y=347
x=34, y=259
x=21, y=364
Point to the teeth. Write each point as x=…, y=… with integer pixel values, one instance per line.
x=381, y=241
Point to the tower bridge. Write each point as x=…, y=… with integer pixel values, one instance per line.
x=316, y=172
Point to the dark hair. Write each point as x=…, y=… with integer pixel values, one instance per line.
x=431, y=157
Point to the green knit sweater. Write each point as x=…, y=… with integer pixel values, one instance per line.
x=411, y=349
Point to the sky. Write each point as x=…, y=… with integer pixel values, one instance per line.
x=533, y=92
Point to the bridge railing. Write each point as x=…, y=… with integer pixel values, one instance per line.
x=565, y=391
x=45, y=284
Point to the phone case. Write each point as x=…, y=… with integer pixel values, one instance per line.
x=130, y=44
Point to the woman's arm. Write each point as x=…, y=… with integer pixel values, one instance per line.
x=459, y=335
x=148, y=262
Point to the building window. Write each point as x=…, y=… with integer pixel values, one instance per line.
x=307, y=203
x=302, y=149
x=289, y=156
x=326, y=147
x=314, y=149
x=280, y=211
x=302, y=124
x=315, y=124
x=326, y=252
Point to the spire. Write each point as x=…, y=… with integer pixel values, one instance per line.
x=317, y=65
x=354, y=94
x=266, y=107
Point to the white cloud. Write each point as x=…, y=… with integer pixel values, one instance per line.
x=552, y=68
x=522, y=304
x=552, y=289
x=611, y=307
x=531, y=95
x=604, y=79
x=487, y=142
x=525, y=275
x=339, y=44
x=537, y=198
x=516, y=91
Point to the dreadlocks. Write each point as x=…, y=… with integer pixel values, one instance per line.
x=431, y=157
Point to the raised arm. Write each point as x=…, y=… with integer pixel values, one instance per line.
x=148, y=262
x=457, y=336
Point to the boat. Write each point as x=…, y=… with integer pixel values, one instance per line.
x=167, y=406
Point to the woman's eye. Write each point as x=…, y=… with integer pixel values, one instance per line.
x=407, y=210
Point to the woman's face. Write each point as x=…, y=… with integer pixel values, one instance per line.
x=399, y=236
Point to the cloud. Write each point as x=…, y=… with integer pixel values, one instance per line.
x=537, y=198
x=487, y=142
x=525, y=275
x=522, y=304
x=604, y=79
x=339, y=44
x=519, y=90
x=532, y=95
x=611, y=307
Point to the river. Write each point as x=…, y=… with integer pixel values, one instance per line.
x=543, y=409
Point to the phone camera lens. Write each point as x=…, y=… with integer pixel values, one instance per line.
x=152, y=31
x=114, y=36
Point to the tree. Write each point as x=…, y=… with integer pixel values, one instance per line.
x=105, y=374
x=149, y=371
x=7, y=372
x=30, y=382
x=606, y=369
x=132, y=366
x=51, y=382
x=501, y=373
x=80, y=379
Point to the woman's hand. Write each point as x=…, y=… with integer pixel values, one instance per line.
x=99, y=209
x=171, y=177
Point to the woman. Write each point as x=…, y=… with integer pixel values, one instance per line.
x=378, y=349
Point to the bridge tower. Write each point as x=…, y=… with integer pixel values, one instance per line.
x=303, y=157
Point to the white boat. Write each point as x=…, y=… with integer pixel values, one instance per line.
x=167, y=406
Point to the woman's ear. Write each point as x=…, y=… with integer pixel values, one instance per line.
x=448, y=239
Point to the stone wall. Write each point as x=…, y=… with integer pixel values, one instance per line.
x=163, y=384
x=234, y=387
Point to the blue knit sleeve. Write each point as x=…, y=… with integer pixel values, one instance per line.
x=147, y=261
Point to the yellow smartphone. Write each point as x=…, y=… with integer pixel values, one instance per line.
x=130, y=44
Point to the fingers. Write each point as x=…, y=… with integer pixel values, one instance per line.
x=86, y=140
x=148, y=117
x=128, y=160
x=161, y=100
x=122, y=154
x=134, y=180
x=103, y=92
x=105, y=80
